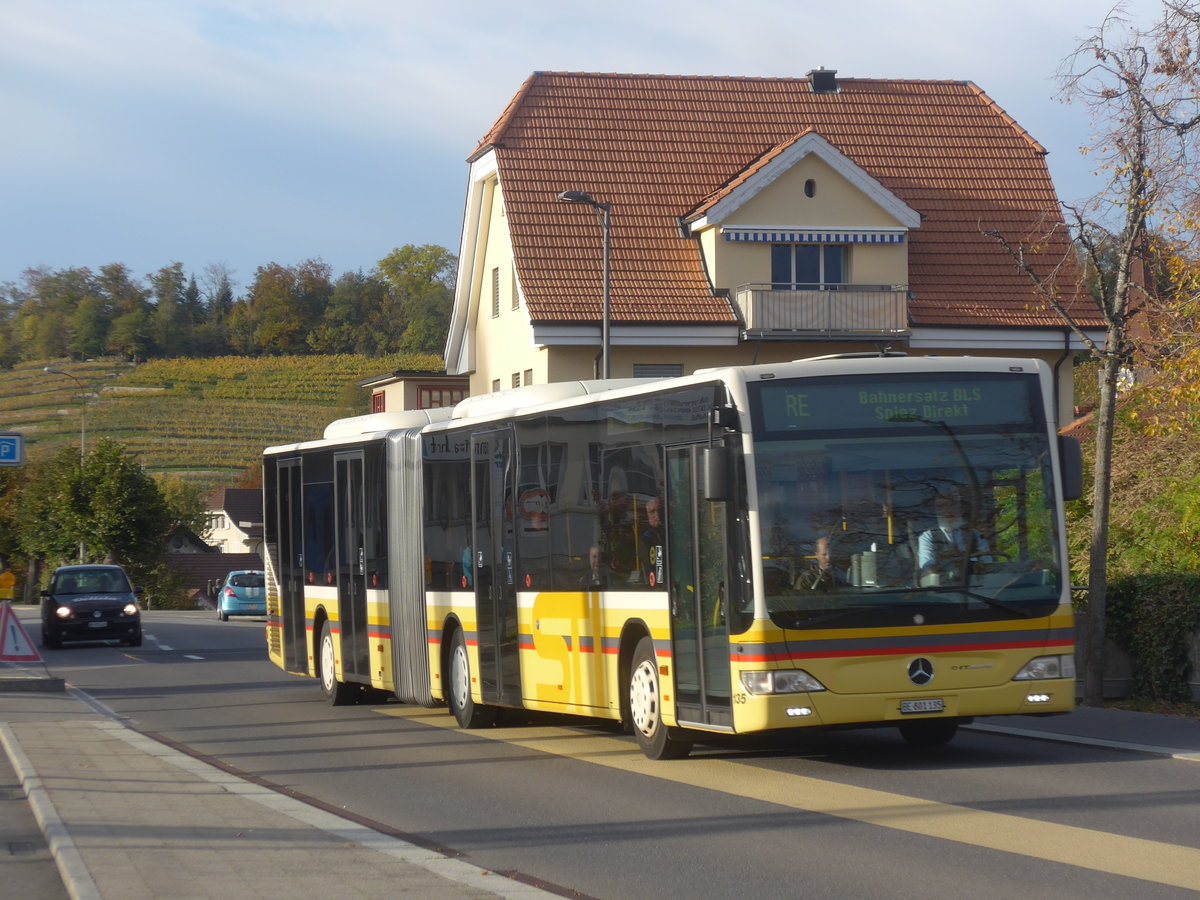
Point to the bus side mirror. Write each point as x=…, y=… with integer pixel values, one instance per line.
x=716, y=477
x=1070, y=460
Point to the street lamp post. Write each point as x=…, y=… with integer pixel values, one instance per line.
x=603, y=213
x=82, y=428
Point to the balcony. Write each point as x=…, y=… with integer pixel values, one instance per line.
x=823, y=312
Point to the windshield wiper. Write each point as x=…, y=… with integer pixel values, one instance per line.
x=990, y=601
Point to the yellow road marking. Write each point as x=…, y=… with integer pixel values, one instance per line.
x=1132, y=857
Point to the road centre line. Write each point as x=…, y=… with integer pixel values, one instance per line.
x=1100, y=851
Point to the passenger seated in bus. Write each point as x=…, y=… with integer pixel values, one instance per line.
x=943, y=550
x=597, y=574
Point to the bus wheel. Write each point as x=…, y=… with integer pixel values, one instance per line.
x=929, y=732
x=338, y=693
x=467, y=712
x=645, y=707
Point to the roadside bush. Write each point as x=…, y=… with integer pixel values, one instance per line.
x=1154, y=618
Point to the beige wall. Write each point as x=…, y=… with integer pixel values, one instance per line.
x=836, y=204
x=503, y=343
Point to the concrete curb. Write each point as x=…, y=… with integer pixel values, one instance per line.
x=75, y=875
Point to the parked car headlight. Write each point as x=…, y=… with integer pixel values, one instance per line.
x=131, y=609
x=64, y=612
x=1043, y=667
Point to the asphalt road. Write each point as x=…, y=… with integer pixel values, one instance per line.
x=851, y=813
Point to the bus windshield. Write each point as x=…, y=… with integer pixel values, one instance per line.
x=924, y=501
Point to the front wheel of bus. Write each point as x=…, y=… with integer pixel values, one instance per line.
x=467, y=712
x=645, y=707
x=338, y=693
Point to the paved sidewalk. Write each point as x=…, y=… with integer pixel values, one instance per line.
x=128, y=817
x=125, y=816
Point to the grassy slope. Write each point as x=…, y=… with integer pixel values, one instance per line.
x=206, y=418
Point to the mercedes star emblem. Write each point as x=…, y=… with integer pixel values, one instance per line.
x=920, y=671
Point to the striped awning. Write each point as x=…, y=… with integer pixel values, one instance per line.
x=812, y=236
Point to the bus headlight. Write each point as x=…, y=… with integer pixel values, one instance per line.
x=783, y=681
x=1047, y=667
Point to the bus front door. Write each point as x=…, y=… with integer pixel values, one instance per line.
x=351, y=567
x=290, y=524
x=494, y=549
x=697, y=570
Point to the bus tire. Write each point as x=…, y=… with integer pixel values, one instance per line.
x=645, y=708
x=467, y=712
x=929, y=732
x=338, y=693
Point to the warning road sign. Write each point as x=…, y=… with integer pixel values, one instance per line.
x=15, y=645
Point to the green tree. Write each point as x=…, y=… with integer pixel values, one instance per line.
x=129, y=334
x=51, y=516
x=108, y=509
x=185, y=502
x=420, y=282
x=348, y=322
x=89, y=326
x=12, y=483
x=172, y=326
x=127, y=518
x=283, y=305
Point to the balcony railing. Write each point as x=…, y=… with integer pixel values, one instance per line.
x=834, y=311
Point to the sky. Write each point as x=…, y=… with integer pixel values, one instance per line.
x=240, y=133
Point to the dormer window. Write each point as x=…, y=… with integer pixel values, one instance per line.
x=807, y=267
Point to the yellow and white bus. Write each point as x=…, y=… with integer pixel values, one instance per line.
x=838, y=541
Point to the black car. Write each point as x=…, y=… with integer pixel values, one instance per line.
x=90, y=603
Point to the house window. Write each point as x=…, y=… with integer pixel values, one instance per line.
x=433, y=397
x=516, y=295
x=378, y=402
x=516, y=379
x=495, y=292
x=798, y=267
x=495, y=385
x=529, y=376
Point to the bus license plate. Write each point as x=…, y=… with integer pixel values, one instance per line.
x=922, y=706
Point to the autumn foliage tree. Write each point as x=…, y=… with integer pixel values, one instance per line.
x=1140, y=84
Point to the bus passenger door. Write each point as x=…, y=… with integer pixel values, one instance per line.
x=493, y=543
x=697, y=572
x=351, y=566
x=290, y=522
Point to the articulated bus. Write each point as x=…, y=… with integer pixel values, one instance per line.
x=828, y=542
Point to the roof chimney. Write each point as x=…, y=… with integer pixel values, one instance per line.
x=823, y=80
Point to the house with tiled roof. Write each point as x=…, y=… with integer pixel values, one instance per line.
x=235, y=520
x=753, y=219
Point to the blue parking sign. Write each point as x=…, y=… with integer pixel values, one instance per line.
x=12, y=448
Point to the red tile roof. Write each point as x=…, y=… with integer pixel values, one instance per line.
x=657, y=147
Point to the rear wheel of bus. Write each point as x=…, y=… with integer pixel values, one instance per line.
x=338, y=693
x=467, y=712
x=645, y=708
